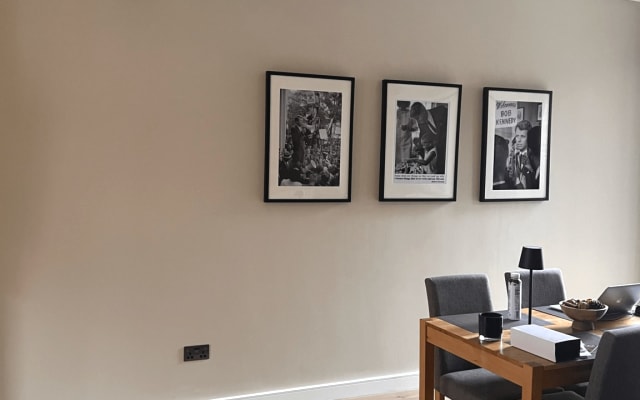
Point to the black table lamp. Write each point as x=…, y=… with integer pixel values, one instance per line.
x=531, y=259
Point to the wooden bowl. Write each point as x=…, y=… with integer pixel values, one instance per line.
x=583, y=319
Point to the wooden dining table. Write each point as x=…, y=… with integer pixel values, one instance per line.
x=527, y=370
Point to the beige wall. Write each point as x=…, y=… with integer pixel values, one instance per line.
x=131, y=159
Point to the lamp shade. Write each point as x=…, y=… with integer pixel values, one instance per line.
x=531, y=258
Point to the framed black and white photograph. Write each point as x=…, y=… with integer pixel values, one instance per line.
x=419, y=146
x=309, y=131
x=516, y=133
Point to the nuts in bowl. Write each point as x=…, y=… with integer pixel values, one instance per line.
x=584, y=313
x=588, y=304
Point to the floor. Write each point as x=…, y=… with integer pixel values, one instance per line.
x=412, y=395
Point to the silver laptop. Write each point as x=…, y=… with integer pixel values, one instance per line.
x=620, y=299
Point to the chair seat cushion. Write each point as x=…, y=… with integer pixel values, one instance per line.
x=478, y=384
x=580, y=388
x=567, y=395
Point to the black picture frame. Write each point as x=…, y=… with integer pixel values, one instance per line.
x=419, y=145
x=515, y=154
x=308, y=137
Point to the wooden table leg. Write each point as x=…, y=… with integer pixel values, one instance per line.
x=532, y=390
x=427, y=363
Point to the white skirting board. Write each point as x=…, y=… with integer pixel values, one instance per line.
x=339, y=390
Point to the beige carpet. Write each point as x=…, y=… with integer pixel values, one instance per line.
x=411, y=395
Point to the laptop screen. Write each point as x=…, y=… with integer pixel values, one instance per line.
x=621, y=298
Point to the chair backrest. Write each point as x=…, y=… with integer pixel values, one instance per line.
x=548, y=287
x=456, y=294
x=615, y=370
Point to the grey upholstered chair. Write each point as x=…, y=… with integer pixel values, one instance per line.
x=548, y=287
x=614, y=375
x=454, y=377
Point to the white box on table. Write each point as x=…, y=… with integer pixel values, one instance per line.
x=546, y=343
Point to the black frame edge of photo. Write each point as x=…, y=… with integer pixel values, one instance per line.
x=383, y=148
x=518, y=195
x=350, y=81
